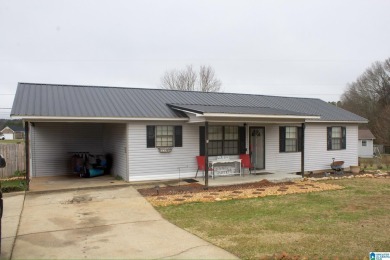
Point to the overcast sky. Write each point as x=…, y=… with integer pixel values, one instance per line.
x=289, y=48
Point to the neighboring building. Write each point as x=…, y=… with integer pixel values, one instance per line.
x=366, y=143
x=13, y=132
x=152, y=132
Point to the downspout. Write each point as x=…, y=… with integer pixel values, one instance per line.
x=27, y=152
x=206, y=155
x=303, y=150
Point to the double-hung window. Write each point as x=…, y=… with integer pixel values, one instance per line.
x=230, y=145
x=223, y=140
x=290, y=138
x=164, y=136
x=336, y=138
x=215, y=140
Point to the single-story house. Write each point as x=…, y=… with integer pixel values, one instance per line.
x=13, y=132
x=151, y=133
x=366, y=143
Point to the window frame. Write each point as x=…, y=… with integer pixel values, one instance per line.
x=340, y=140
x=284, y=138
x=153, y=135
x=223, y=145
x=162, y=133
x=364, y=143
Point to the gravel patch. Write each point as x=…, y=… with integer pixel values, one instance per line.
x=180, y=196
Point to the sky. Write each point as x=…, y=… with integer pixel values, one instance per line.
x=271, y=47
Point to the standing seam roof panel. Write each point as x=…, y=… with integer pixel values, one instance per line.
x=67, y=100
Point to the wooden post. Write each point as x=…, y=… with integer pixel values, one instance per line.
x=27, y=147
x=303, y=150
x=206, y=155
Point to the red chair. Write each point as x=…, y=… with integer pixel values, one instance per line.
x=201, y=163
x=246, y=162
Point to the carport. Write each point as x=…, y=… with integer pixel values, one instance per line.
x=52, y=144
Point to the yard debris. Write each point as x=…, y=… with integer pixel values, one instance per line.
x=239, y=192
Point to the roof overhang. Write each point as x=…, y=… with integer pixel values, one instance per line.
x=336, y=122
x=92, y=119
x=202, y=113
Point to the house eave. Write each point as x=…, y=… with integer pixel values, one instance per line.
x=92, y=119
x=337, y=122
x=259, y=116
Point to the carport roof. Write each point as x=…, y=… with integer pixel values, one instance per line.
x=64, y=101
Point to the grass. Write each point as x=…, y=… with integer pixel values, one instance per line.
x=7, y=185
x=346, y=223
x=15, y=141
x=12, y=186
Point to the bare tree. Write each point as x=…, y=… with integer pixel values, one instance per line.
x=207, y=80
x=369, y=96
x=179, y=79
x=188, y=79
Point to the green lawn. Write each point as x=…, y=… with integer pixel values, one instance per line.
x=12, y=141
x=346, y=223
x=14, y=185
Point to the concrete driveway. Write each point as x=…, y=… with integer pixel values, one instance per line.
x=102, y=223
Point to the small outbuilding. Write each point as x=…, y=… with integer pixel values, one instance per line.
x=366, y=143
x=13, y=132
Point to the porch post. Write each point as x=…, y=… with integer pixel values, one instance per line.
x=206, y=154
x=303, y=150
x=27, y=152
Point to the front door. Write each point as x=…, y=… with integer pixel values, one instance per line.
x=257, y=147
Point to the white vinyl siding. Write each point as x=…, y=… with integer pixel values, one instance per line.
x=114, y=143
x=51, y=144
x=317, y=157
x=275, y=161
x=149, y=164
x=366, y=151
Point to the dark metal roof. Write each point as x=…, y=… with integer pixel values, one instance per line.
x=50, y=100
x=235, y=110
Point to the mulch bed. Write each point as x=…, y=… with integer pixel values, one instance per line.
x=174, y=195
x=197, y=188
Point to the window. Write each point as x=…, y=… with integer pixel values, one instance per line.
x=223, y=140
x=215, y=140
x=364, y=142
x=336, y=138
x=290, y=138
x=230, y=140
x=164, y=136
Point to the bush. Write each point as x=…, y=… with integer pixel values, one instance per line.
x=20, y=173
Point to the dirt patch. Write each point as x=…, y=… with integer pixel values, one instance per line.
x=197, y=188
x=197, y=193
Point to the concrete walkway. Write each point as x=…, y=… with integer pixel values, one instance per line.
x=114, y=222
x=13, y=205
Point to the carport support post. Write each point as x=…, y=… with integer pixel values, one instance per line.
x=303, y=151
x=206, y=155
x=27, y=152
